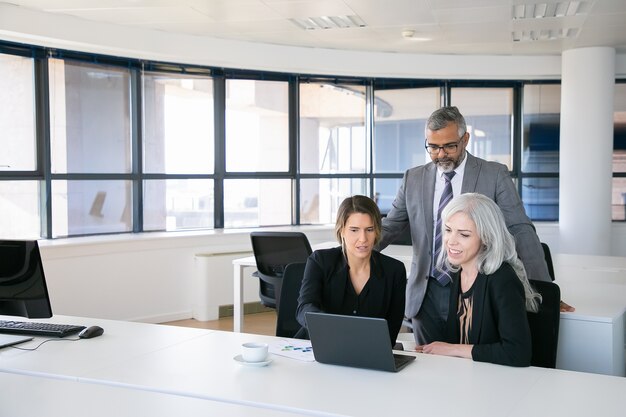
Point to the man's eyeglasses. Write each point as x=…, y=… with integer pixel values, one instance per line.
x=447, y=148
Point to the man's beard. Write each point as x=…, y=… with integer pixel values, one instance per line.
x=447, y=164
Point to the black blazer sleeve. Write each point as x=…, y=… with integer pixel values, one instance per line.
x=506, y=335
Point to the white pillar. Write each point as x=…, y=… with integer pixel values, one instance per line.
x=586, y=150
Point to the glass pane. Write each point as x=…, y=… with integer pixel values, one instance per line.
x=17, y=115
x=178, y=124
x=320, y=198
x=253, y=202
x=489, y=117
x=385, y=190
x=178, y=204
x=90, y=207
x=89, y=117
x=541, y=198
x=399, y=122
x=332, y=129
x=619, y=123
x=19, y=205
x=618, y=206
x=542, y=118
x=257, y=126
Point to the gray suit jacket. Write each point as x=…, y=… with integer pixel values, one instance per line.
x=413, y=207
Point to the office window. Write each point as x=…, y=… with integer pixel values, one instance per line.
x=178, y=124
x=257, y=126
x=541, y=121
x=619, y=154
x=488, y=114
x=257, y=202
x=399, y=121
x=89, y=117
x=541, y=198
x=17, y=114
x=332, y=129
x=183, y=204
x=385, y=190
x=90, y=207
x=320, y=197
x=19, y=206
x=541, y=118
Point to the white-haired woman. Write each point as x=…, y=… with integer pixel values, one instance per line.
x=490, y=292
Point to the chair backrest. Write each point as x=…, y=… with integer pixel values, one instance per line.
x=273, y=251
x=286, y=323
x=548, y=257
x=544, y=324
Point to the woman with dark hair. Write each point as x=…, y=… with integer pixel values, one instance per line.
x=490, y=292
x=354, y=279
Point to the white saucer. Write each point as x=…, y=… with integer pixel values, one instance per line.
x=239, y=359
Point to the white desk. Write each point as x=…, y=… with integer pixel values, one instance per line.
x=591, y=339
x=28, y=396
x=200, y=366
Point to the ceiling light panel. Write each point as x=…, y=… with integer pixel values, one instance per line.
x=329, y=22
x=549, y=9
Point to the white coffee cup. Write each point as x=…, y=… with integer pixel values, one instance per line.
x=254, y=352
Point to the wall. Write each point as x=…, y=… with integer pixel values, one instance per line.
x=151, y=276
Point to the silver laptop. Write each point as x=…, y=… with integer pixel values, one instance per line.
x=360, y=342
x=11, y=339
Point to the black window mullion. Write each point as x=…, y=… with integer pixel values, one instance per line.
x=42, y=129
x=294, y=146
x=136, y=106
x=219, y=114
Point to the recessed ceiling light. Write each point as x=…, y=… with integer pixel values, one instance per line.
x=409, y=34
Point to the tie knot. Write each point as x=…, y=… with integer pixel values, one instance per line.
x=449, y=175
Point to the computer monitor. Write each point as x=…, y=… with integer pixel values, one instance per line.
x=23, y=290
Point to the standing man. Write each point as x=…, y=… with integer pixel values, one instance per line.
x=424, y=192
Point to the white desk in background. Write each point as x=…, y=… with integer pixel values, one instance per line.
x=201, y=367
x=591, y=339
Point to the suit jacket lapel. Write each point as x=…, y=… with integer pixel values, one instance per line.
x=337, y=284
x=480, y=297
x=428, y=194
x=470, y=176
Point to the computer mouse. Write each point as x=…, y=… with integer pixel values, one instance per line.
x=92, y=331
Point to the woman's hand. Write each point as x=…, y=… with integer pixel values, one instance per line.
x=446, y=349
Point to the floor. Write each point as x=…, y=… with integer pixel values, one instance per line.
x=258, y=323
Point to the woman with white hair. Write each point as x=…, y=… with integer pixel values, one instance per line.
x=490, y=292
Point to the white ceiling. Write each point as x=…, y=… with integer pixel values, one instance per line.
x=439, y=26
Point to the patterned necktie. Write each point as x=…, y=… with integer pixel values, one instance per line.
x=443, y=277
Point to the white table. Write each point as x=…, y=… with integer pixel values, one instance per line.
x=200, y=366
x=27, y=396
x=591, y=339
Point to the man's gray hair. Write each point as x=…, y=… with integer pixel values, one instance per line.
x=442, y=117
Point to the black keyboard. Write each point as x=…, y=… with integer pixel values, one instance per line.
x=38, y=329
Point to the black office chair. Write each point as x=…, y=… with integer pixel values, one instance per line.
x=273, y=251
x=548, y=257
x=544, y=324
x=286, y=323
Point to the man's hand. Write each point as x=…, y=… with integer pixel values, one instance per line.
x=566, y=307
